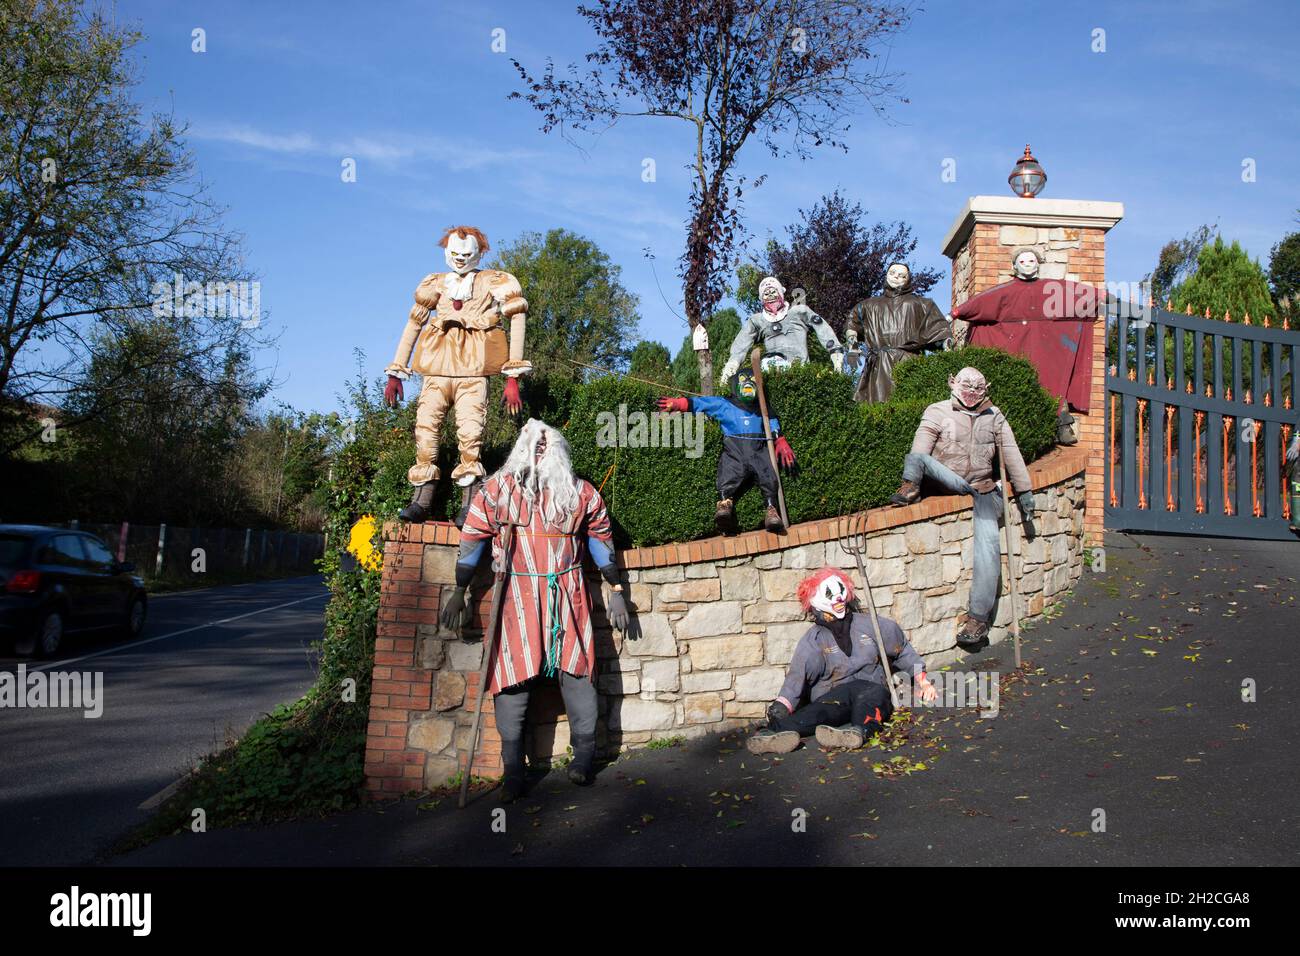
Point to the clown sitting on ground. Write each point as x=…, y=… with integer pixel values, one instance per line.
x=837, y=664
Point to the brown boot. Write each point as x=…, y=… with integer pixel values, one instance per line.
x=725, y=517
x=907, y=493
x=972, y=633
x=772, y=520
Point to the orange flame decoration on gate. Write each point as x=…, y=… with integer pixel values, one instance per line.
x=1227, y=427
x=1141, y=456
x=1286, y=499
x=1196, y=459
x=1169, y=455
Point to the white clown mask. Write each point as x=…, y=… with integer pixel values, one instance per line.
x=1025, y=264
x=462, y=254
x=832, y=596
x=898, y=277
x=968, y=387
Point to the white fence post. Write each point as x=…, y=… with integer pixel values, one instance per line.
x=162, y=543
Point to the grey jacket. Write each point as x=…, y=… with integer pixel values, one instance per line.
x=786, y=336
x=965, y=441
x=819, y=665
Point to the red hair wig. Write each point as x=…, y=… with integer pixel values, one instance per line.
x=464, y=232
x=809, y=585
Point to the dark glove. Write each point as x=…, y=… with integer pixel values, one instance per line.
x=616, y=610
x=454, y=610
x=784, y=453
x=1026, y=501
x=513, y=402
x=674, y=404
x=777, y=711
x=393, y=391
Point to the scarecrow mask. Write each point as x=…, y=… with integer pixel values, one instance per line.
x=899, y=277
x=968, y=387
x=772, y=294
x=1025, y=264
x=744, y=390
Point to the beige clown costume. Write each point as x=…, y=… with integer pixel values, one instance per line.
x=455, y=338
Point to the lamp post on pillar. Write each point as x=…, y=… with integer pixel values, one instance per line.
x=1069, y=236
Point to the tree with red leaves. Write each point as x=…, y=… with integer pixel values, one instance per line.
x=790, y=73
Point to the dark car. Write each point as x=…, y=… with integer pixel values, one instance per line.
x=56, y=581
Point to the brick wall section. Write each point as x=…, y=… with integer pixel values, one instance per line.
x=1073, y=252
x=717, y=625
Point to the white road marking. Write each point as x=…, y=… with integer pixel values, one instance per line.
x=163, y=637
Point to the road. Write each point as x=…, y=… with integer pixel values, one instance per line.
x=1127, y=743
x=207, y=665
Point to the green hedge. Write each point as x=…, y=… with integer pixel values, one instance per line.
x=850, y=456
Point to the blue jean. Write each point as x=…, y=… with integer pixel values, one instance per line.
x=986, y=549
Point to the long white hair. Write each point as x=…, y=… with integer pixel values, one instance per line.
x=550, y=483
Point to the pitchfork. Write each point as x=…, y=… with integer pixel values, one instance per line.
x=854, y=541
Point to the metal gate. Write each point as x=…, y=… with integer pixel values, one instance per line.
x=1198, y=415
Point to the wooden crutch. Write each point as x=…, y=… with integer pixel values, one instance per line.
x=1011, y=568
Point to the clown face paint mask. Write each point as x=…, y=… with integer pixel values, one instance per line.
x=898, y=276
x=462, y=254
x=772, y=294
x=832, y=597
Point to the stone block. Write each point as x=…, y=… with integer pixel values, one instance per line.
x=705, y=569
x=772, y=612
x=449, y=690
x=464, y=655
x=663, y=575
x=722, y=653
x=740, y=583
x=699, y=682
x=653, y=637
x=660, y=677
x=693, y=590
x=805, y=558
x=702, y=708
x=922, y=538
x=781, y=639
x=780, y=585
x=761, y=683
x=431, y=734
x=634, y=714
x=709, y=620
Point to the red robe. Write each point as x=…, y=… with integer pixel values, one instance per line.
x=545, y=576
x=1049, y=322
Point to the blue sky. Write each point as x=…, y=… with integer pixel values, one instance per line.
x=413, y=92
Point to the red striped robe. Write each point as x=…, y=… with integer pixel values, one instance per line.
x=539, y=548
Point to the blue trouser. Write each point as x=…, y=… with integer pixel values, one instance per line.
x=987, y=549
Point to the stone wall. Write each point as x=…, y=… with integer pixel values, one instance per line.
x=716, y=624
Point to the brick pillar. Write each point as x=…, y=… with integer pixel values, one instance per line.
x=1070, y=234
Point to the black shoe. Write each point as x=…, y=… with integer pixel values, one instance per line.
x=421, y=504
x=584, y=755
x=467, y=498
x=512, y=783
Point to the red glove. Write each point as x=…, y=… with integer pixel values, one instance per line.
x=513, y=402
x=393, y=391
x=784, y=453
x=674, y=404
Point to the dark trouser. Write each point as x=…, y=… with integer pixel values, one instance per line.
x=853, y=702
x=579, y=695
x=744, y=460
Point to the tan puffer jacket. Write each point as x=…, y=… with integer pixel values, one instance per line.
x=966, y=440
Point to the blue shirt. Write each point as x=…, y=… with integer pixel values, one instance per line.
x=735, y=421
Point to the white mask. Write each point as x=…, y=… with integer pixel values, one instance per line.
x=832, y=597
x=898, y=276
x=462, y=254
x=1026, y=265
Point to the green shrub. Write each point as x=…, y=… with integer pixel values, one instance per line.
x=849, y=456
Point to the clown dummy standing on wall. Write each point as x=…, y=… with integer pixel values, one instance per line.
x=745, y=457
x=782, y=329
x=455, y=329
x=836, y=665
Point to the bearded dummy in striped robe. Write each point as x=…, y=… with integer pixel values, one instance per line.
x=546, y=625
